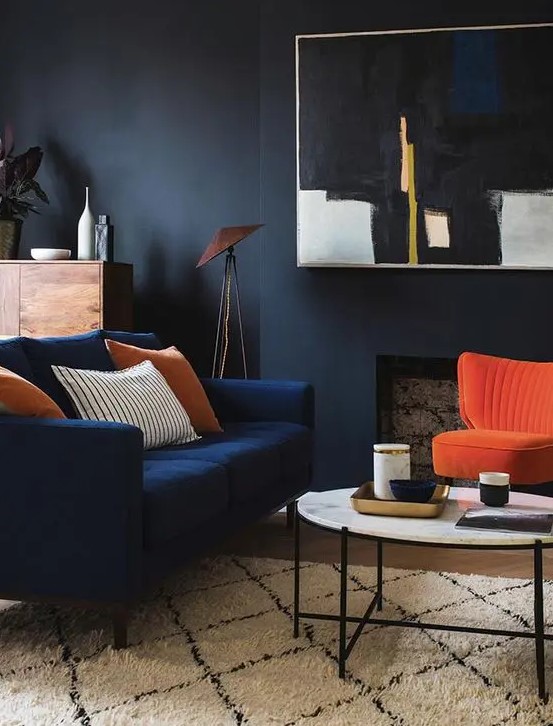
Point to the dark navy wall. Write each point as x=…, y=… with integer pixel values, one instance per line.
x=328, y=326
x=155, y=104
x=182, y=118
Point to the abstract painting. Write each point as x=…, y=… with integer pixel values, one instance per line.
x=426, y=148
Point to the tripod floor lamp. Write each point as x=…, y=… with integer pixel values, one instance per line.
x=225, y=240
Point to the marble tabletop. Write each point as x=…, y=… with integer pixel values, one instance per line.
x=332, y=509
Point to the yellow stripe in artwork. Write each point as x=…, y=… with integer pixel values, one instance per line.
x=413, y=251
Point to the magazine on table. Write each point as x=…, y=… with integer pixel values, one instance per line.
x=507, y=519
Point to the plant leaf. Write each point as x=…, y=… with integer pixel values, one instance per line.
x=38, y=191
x=26, y=165
x=17, y=182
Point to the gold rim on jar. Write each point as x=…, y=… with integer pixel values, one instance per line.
x=405, y=449
x=394, y=452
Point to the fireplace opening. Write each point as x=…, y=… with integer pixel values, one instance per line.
x=417, y=398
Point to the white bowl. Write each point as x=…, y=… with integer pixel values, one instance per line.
x=49, y=253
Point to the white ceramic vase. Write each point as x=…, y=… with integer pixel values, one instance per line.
x=85, y=233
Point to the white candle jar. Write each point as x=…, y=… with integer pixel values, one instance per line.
x=391, y=461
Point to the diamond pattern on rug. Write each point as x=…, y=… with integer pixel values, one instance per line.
x=511, y=596
x=457, y=697
x=360, y=710
x=189, y=705
x=300, y=686
x=392, y=646
x=512, y=666
x=215, y=647
x=469, y=613
x=208, y=574
x=423, y=593
x=134, y=673
x=240, y=644
x=233, y=601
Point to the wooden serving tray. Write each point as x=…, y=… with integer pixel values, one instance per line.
x=364, y=502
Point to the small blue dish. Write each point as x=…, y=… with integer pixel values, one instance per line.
x=413, y=490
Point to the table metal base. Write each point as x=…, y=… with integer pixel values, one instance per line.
x=346, y=646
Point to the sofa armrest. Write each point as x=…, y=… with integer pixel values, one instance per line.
x=254, y=400
x=71, y=508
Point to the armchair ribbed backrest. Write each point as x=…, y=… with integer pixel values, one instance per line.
x=504, y=394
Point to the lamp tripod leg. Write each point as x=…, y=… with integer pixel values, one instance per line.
x=239, y=309
x=216, y=368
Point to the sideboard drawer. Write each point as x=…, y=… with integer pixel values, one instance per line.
x=57, y=299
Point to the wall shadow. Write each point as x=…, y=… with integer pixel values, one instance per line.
x=69, y=175
x=180, y=317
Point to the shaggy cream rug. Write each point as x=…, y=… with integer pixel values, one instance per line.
x=215, y=647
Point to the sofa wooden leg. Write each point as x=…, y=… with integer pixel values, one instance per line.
x=120, y=620
x=290, y=515
x=447, y=481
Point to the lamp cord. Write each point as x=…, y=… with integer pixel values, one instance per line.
x=226, y=323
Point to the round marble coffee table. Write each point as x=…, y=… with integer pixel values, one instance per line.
x=331, y=510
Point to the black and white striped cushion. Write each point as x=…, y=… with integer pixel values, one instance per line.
x=139, y=396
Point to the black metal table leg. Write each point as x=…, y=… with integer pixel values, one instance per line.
x=379, y=574
x=296, y=570
x=538, y=619
x=343, y=603
x=290, y=514
x=538, y=634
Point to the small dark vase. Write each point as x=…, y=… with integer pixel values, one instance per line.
x=10, y=237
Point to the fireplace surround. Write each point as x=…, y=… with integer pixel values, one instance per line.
x=417, y=398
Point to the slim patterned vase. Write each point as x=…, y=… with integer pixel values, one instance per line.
x=85, y=233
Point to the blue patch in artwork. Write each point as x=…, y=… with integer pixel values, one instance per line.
x=475, y=73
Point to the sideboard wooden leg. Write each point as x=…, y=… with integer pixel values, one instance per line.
x=120, y=619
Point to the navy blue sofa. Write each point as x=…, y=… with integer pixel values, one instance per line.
x=89, y=517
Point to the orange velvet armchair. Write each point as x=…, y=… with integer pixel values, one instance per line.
x=507, y=406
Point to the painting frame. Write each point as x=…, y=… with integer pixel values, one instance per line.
x=305, y=261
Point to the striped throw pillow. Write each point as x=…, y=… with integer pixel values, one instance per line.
x=139, y=396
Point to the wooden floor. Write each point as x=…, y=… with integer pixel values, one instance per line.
x=271, y=538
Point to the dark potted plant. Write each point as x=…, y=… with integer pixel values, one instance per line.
x=18, y=192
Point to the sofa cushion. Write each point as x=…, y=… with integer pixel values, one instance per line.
x=86, y=351
x=20, y=397
x=180, y=496
x=293, y=441
x=180, y=376
x=150, y=341
x=12, y=357
x=139, y=396
x=463, y=454
x=252, y=465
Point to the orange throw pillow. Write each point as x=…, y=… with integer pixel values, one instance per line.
x=20, y=397
x=180, y=376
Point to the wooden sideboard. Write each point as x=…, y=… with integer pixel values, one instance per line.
x=64, y=297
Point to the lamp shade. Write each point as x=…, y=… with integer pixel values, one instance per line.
x=225, y=238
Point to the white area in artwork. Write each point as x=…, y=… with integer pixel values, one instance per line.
x=437, y=228
x=527, y=228
x=334, y=231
